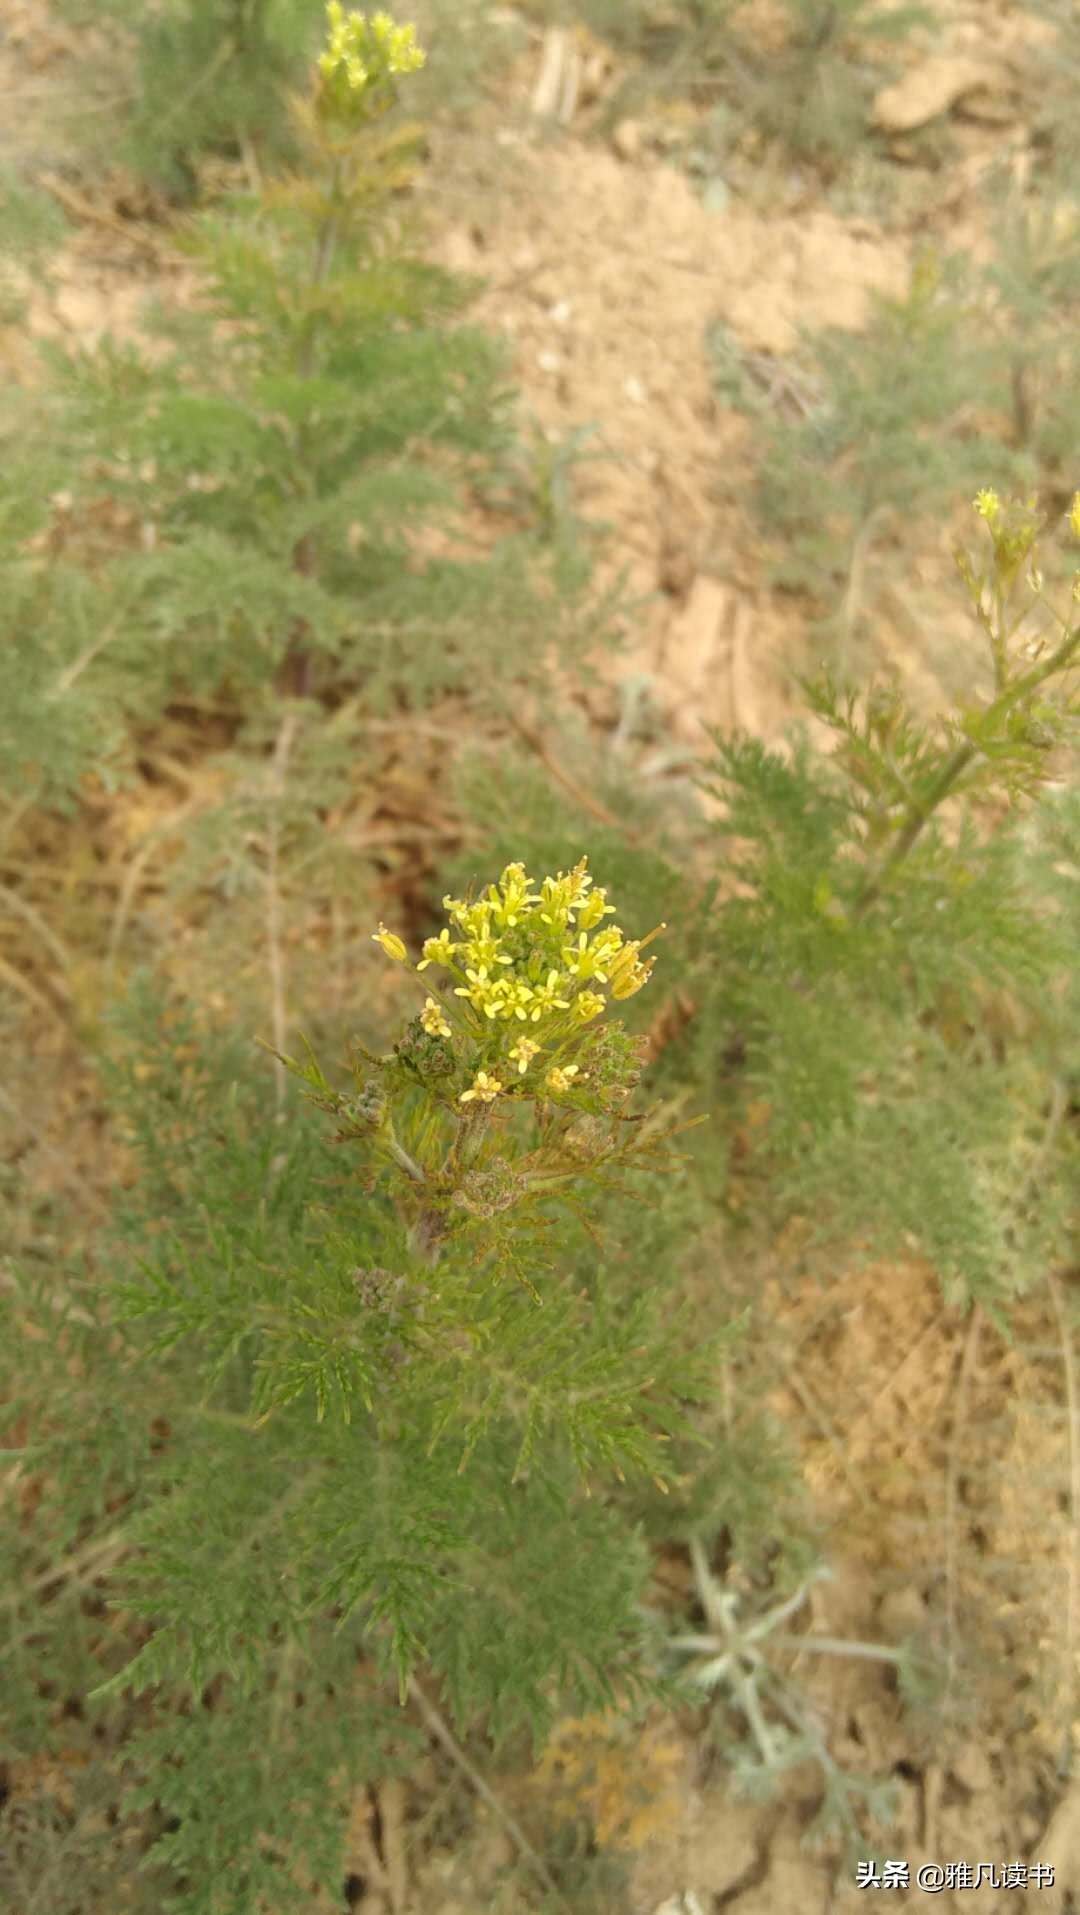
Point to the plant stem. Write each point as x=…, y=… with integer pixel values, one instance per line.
x=922, y=810
x=296, y=670
x=439, y=1729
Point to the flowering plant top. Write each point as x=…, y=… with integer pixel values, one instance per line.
x=530, y=964
x=360, y=62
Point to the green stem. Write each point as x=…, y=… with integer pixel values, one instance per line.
x=324, y=253
x=957, y=763
x=297, y=667
x=405, y=1162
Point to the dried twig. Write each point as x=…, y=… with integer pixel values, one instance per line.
x=577, y=791
x=952, y=1471
x=282, y=748
x=443, y=1734
x=84, y=209
x=1072, y=1604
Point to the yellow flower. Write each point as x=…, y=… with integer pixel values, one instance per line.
x=516, y=897
x=433, y=1019
x=561, y=1079
x=563, y=895
x=544, y=998
x=608, y=945
x=515, y=998
x=397, y=44
x=595, y=908
x=625, y=959
x=390, y=942
x=585, y=960
x=438, y=950
x=987, y=504
x=484, y=952
x=627, y=973
x=1074, y=515
x=361, y=51
x=630, y=981
x=588, y=1004
x=479, y=990
x=523, y=1053
x=484, y=1088
x=473, y=918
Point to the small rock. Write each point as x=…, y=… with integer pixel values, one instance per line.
x=628, y=140
x=988, y=106
x=901, y=1613
x=716, y=194
x=971, y=1767
x=929, y=90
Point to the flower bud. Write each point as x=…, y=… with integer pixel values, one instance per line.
x=390, y=942
x=484, y=1192
x=366, y=1111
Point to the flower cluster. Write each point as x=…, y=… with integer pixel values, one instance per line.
x=521, y=955
x=361, y=56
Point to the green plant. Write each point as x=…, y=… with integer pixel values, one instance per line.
x=885, y=900
x=345, y=1414
x=1055, y=69
x=1030, y=288
x=804, y=88
x=206, y=77
x=515, y=953
x=738, y=1659
x=854, y=919
x=341, y=1453
x=877, y=995
x=266, y=524
x=175, y=89
x=890, y=432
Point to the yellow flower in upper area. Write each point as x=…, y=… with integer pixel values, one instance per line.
x=627, y=965
x=484, y=952
x=440, y=950
x=608, y=945
x=523, y=1053
x=1074, y=515
x=630, y=981
x=484, y=1090
x=588, y=1004
x=397, y=44
x=987, y=504
x=473, y=918
x=433, y=1019
x=561, y=1079
x=594, y=908
x=360, y=52
x=516, y=896
x=626, y=957
x=582, y=960
x=563, y=895
x=390, y=942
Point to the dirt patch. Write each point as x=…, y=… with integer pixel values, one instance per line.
x=607, y=304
